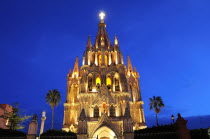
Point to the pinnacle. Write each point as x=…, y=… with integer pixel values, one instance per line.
x=82, y=115
x=89, y=44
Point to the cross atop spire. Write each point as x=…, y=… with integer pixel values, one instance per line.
x=102, y=15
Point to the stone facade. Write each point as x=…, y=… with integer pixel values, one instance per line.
x=103, y=95
x=5, y=110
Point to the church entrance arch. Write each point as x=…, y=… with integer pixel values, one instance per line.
x=104, y=133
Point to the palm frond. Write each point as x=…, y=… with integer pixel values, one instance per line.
x=53, y=97
x=156, y=103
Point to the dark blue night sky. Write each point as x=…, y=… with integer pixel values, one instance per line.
x=168, y=42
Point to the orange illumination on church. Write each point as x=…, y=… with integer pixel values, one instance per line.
x=101, y=92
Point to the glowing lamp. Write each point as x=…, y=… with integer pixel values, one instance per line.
x=44, y=114
x=172, y=118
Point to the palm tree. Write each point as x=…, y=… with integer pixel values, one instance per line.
x=53, y=97
x=156, y=103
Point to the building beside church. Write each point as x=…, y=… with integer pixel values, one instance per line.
x=103, y=98
x=5, y=110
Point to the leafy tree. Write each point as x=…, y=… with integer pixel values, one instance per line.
x=156, y=103
x=15, y=118
x=53, y=97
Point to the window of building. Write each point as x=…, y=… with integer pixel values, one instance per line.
x=109, y=83
x=99, y=60
x=90, y=83
x=131, y=93
x=98, y=82
x=112, y=111
x=106, y=60
x=96, y=111
x=117, y=85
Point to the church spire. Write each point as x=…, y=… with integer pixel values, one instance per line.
x=70, y=72
x=102, y=39
x=115, y=41
x=76, y=68
x=89, y=44
x=130, y=67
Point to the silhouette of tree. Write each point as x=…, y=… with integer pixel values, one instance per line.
x=53, y=97
x=156, y=103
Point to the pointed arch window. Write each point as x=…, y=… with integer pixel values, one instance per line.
x=106, y=60
x=131, y=92
x=96, y=111
x=112, y=111
x=109, y=83
x=90, y=83
x=98, y=82
x=99, y=60
x=93, y=58
x=117, y=84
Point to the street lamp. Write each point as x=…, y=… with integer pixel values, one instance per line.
x=172, y=118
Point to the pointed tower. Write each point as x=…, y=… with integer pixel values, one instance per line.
x=128, y=125
x=75, y=73
x=89, y=44
x=118, y=55
x=137, y=113
x=115, y=41
x=86, y=57
x=103, y=94
x=71, y=107
x=82, y=126
x=130, y=67
x=102, y=39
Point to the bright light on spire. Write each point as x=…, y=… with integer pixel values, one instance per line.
x=102, y=15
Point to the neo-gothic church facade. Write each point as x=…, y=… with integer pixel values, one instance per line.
x=103, y=95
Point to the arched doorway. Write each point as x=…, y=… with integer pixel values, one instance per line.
x=104, y=132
